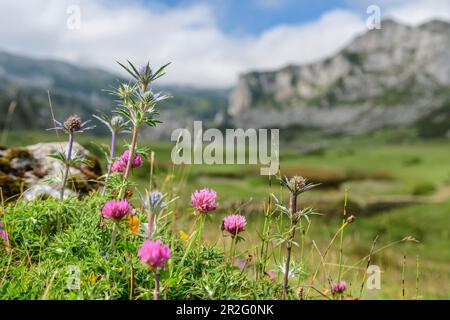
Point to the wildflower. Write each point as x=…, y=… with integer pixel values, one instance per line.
x=154, y=200
x=3, y=233
x=338, y=287
x=204, y=200
x=154, y=253
x=73, y=123
x=116, y=125
x=93, y=278
x=118, y=166
x=135, y=162
x=271, y=275
x=116, y=209
x=234, y=224
x=183, y=235
x=133, y=224
x=297, y=183
x=241, y=263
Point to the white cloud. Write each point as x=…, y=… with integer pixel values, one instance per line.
x=201, y=53
x=415, y=12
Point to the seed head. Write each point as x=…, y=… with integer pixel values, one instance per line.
x=73, y=123
x=297, y=183
x=116, y=121
x=350, y=219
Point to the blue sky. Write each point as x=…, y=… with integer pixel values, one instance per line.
x=209, y=42
x=255, y=16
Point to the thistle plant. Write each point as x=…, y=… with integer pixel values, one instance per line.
x=116, y=125
x=137, y=103
x=153, y=203
x=71, y=126
x=296, y=185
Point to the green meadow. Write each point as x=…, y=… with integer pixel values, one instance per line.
x=395, y=189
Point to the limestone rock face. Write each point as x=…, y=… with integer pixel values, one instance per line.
x=31, y=171
x=395, y=76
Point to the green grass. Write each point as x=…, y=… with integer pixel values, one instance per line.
x=377, y=168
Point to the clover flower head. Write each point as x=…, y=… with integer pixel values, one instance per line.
x=116, y=209
x=135, y=162
x=204, y=200
x=234, y=224
x=338, y=287
x=118, y=166
x=154, y=253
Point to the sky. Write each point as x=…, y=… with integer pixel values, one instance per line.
x=209, y=42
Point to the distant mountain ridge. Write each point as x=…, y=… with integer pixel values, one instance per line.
x=396, y=76
x=80, y=90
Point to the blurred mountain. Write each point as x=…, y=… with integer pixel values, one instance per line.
x=77, y=90
x=396, y=76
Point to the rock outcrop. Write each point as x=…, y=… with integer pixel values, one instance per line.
x=395, y=76
x=30, y=171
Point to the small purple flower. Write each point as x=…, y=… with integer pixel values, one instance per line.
x=241, y=264
x=204, y=200
x=116, y=209
x=234, y=224
x=136, y=162
x=154, y=253
x=3, y=233
x=338, y=287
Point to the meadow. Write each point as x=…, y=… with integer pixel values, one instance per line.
x=154, y=229
x=394, y=189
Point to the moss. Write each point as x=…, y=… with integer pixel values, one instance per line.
x=17, y=153
x=5, y=165
x=10, y=186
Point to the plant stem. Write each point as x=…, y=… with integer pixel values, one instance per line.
x=417, y=277
x=151, y=224
x=68, y=159
x=111, y=157
x=132, y=148
x=233, y=249
x=113, y=237
x=341, y=240
x=289, y=244
x=156, y=294
x=195, y=237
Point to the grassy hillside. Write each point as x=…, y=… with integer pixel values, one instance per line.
x=394, y=190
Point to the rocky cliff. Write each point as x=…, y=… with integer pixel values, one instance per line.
x=396, y=76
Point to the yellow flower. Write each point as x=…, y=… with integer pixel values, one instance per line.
x=133, y=224
x=93, y=278
x=183, y=235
